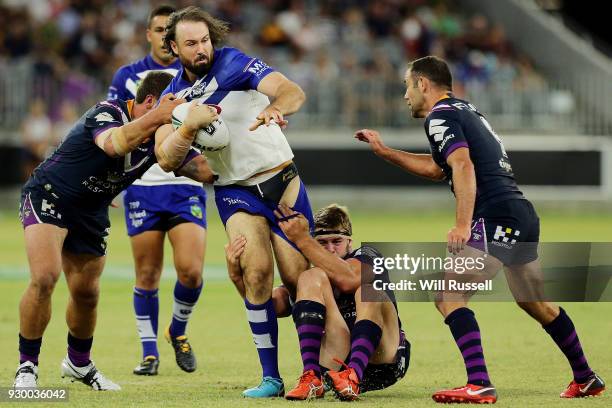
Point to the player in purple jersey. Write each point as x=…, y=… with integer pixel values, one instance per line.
x=156, y=205
x=492, y=216
x=64, y=211
x=332, y=321
x=254, y=172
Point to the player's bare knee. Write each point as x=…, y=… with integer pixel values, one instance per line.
x=43, y=284
x=190, y=277
x=86, y=296
x=147, y=277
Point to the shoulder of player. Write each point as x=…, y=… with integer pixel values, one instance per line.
x=364, y=253
x=109, y=110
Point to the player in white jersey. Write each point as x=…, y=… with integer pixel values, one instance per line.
x=161, y=203
x=254, y=173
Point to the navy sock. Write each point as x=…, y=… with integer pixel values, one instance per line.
x=262, y=319
x=563, y=332
x=29, y=349
x=465, y=330
x=146, y=307
x=79, y=350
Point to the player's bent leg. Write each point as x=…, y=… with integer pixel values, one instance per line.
x=258, y=271
x=316, y=315
x=83, y=278
x=188, y=244
x=148, y=253
x=43, y=248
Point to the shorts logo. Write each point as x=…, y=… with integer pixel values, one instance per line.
x=196, y=211
x=47, y=209
x=137, y=217
x=232, y=201
x=506, y=234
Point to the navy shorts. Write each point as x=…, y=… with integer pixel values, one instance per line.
x=160, y=208
x=233, y=198
x=508, y=230
x=87, y=228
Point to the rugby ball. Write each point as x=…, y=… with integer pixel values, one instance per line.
x=212, y=138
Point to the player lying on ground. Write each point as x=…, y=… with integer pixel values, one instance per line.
x=253, y=173
x=64, y=211
x=492, y=215
x=159, y=204
x=334, y=325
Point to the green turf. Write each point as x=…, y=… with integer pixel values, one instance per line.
x=524, y=363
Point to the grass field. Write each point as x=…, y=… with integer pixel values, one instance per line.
x=524, y=363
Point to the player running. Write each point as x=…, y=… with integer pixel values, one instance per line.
x=334, y=325
x=490, y=210
x=64, y=211
x=157, y=204
x=254, y=173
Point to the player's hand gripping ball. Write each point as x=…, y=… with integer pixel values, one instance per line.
x=211, y=138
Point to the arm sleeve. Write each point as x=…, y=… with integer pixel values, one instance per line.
x=104, y=116
x=445, y=132
x=245, y=72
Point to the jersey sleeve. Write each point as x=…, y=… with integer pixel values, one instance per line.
x=191, y=154
x=104, y=116
x=445, y=132
x=117, y=90
x=246, y=72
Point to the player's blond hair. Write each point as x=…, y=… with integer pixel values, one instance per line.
x=333, y=218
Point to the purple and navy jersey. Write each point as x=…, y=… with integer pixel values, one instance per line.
x=454, y=123
x=83, y=173
x=346, y=301
x=128, y=77
x=231, y=70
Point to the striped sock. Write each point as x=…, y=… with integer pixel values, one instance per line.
x=185, y=300
x=146, y=308
x=365, y=338
x=309, y=318
x=262, y=319
x=465, y=330
x=563, y=332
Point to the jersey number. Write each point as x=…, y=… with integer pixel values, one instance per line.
x=490, y=129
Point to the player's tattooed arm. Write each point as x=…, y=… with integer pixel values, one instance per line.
x=287, y=98
x=421, y=165
x=464, y=187
x=119, y=141
x=197, y=169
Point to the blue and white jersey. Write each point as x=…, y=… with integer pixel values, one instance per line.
x=124, y=86
x=232, y=84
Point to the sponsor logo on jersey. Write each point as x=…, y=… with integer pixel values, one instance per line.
x=104, y=117
x=256, y=67
x=446, y=139
x=436, y=130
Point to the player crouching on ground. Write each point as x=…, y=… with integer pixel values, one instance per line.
x=334, y=325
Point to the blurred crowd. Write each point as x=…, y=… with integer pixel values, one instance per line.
x=349, y=55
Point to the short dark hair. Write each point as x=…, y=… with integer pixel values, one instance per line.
x=433, y=68
x=333, y=219
x=216, y=27
x=153, y=84
x=161, y=10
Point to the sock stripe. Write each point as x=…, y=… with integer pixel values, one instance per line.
x=471, y=350
x=310, y=328
x=475, y=363
x=468, y=337
x=363, y=342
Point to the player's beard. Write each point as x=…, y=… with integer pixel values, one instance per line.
x=198, y=69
